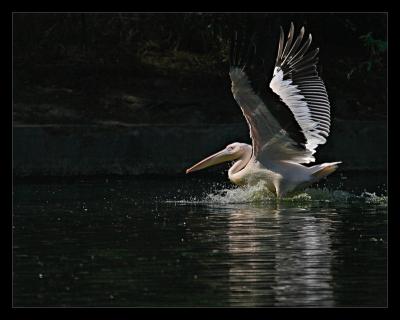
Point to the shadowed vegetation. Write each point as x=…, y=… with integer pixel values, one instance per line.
x=173, y=68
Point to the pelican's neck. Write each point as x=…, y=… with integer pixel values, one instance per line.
x=241, y=162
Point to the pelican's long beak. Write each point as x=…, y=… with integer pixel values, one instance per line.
x=212, y=160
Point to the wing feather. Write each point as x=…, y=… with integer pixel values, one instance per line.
x=269, y=139
x=295, y=80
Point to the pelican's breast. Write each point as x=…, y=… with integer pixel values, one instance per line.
x=253, y=173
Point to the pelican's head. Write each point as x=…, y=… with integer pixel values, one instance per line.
x=231, y=152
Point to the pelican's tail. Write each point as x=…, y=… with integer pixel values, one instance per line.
x=322, y=170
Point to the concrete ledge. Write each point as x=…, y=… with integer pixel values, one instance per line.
x=62, y=150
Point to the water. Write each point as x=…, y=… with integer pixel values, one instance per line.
x=192, y=241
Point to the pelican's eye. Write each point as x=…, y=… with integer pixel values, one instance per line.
x=230, y=148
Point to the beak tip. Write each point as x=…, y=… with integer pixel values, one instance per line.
x=187, y=171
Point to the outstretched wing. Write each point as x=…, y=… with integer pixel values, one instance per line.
x=272, y=139
x=296, y=81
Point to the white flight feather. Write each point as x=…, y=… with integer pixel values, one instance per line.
x=275, y=143
x=289, y=93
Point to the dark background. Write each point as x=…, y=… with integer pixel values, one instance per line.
x=173, y=67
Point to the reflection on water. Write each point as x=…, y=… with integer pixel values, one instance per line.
x=299, y=265
x=311, y=256
x=125, y=243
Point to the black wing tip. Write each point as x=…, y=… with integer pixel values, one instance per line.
x=293, y=52
x=291, y=26
x=233, y=49
x=243, y=48
x=302, y=29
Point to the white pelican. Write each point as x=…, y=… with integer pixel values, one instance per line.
x=278, y=152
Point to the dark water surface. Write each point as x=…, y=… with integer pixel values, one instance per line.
x=167, y=242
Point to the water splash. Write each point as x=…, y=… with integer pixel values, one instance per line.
x=372, y=198
x=260, y=194
x=243, y=194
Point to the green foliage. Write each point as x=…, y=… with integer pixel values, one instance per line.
x=376, y=48
x=374, y=45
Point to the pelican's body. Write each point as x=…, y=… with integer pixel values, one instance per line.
x=276, y=154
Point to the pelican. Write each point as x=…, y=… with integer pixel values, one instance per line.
x=278, y=151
